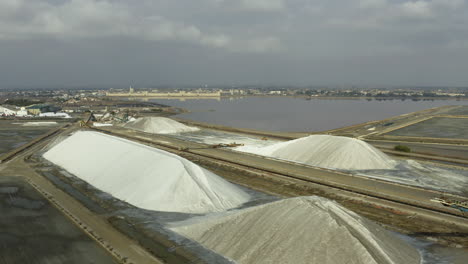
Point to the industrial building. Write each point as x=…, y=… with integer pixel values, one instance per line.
x=42, y=108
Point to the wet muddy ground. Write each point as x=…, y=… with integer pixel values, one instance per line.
x=14, y=134
x=461, y=110
x=437, y=127
x=34, y=231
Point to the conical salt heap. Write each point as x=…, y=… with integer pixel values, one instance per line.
x=146, y=177
x=300, y=230
x=327, y=152
x=159, y=125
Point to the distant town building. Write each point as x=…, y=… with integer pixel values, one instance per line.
x=236, y=92
x=22, y=112
x=178, y=94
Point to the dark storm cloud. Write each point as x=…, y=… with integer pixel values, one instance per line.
x=86, y=42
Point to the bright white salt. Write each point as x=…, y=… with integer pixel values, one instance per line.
x=95, y=124
x=159, y=125
x=146, y=177
x=45, y=123
x=299, y=230
x=327, y=152
x=52, y=114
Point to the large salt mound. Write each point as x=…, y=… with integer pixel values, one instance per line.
x=327, y=152
x=300, y=230
x=159, y=125
x=146, y=177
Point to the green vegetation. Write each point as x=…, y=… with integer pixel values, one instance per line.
x=402, y=148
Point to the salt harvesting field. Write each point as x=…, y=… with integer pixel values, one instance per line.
x=429, y=176
x=358, y=157
x=437, y=127
x=33, y=231
x=213, y=137
x=333, y=152
x=220, y=221
x=14, y=134
x=169, y=127
x=201, y=208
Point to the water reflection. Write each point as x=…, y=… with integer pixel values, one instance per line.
x=297, y=114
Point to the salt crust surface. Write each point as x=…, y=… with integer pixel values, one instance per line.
x=52, y=114
x=425, y=175
x=327, y=152
x=95, y=124
x=363, y=159
x=299, y=230
x=159, y=125
x=44, y=123
x=146, y=177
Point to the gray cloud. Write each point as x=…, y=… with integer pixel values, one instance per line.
x=81, y=19
x=273, y=41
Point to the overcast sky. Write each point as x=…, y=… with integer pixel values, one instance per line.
x=232, y=42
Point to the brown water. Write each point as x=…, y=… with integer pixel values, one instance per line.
x=290, y=114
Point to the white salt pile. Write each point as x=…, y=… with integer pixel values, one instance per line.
x=300, y=230
x=159, y=125
x=327, y=152
x=146, y=177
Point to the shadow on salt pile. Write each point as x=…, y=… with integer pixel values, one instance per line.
x=163, y=218
x=297, y=230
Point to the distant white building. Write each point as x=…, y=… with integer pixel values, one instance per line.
x=275, y=92
x=22, y=112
